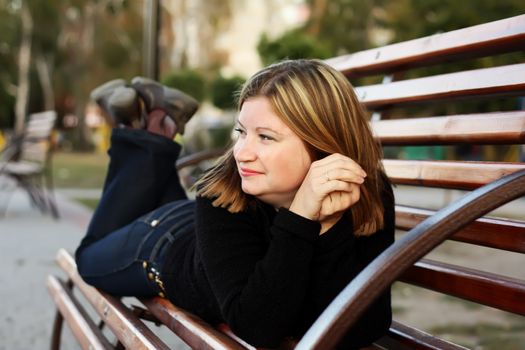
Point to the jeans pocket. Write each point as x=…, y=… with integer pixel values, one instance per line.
x=163, y=223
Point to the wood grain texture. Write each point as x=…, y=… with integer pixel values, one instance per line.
x=480, y=129
x=495, y=81
x=190, y=328
x=126, y=326
x=458, y=175
x=82, y=327
x=485, y=288
x=488, y=232
x=477, y=41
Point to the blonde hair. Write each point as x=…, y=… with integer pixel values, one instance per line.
x=319, y=105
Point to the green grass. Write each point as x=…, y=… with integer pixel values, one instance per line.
x=465, y=303
x=79, y=170
x=88, y=202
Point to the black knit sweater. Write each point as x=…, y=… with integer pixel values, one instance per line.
x=268, y=274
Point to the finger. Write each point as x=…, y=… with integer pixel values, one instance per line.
x=330, y=186
x=340, y=201
x=342, y=162
x=336, y=160
x=335, y=203
x=344, y=175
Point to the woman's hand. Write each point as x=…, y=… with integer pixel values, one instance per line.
x=331, y=186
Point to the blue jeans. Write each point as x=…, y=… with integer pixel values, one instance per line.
x=142, y=206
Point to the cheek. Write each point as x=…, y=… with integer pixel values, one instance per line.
x=304, y=166
x=295, y=168
x=235, y=150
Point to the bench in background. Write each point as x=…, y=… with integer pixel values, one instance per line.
x=26, y=160
x=403, y=114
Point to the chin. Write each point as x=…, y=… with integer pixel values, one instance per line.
x=250, y=191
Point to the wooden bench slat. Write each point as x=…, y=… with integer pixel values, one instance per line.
x=476, y=41
x=504, y=80
x=458, y=175
x=486, y=128
x=486, y=288
x=124, y=324
x=190, y=328
x=44, y=115
x=404, y=337
x=494, y=233
x=84, y=330
x=37, y=124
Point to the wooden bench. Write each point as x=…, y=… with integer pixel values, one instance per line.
x=403, y=114
x=26, y=159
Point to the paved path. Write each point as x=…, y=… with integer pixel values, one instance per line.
x=29, y=241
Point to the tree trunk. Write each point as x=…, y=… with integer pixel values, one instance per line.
x=24, y=61
x=318, y=8
x=87, y=34
x=82, y=131
x=44, y=75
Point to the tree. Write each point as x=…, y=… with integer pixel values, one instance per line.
x=345, y=26
x=187, y=80
x=10, y=30
x=223, y=91
x=193, y=28
x=95, y=46
x=409, y=19
x=71, y=47
x=291, y=45
x=45, y=47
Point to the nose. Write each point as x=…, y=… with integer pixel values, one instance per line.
x=244, y=150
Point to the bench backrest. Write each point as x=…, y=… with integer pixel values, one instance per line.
x=474, y=108
x=36, y=140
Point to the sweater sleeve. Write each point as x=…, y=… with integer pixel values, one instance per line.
x=259, y=286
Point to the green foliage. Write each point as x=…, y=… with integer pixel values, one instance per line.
x=187, y=80
x=114, y=54
x=223, y=91
x=410, y=19
x=9, y=41
x=345, y=26
x=291, y=45
x=47, y=27
x=7, y=104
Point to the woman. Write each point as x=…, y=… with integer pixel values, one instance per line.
x=286, y=218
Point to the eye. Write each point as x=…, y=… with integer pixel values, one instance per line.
x=265, y=137
x=239, y=131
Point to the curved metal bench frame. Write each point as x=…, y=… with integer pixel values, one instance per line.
x=349, y=305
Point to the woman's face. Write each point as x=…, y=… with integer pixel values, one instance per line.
x=272, y=160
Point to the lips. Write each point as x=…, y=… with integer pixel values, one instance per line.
x=245, y=172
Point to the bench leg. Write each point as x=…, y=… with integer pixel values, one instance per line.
x=57, y=331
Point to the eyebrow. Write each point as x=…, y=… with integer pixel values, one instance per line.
x=259, y=128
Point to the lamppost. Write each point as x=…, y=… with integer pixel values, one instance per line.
x=151, y=38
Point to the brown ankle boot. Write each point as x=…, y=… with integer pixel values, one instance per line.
x=119, y=102
x=177, y=105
